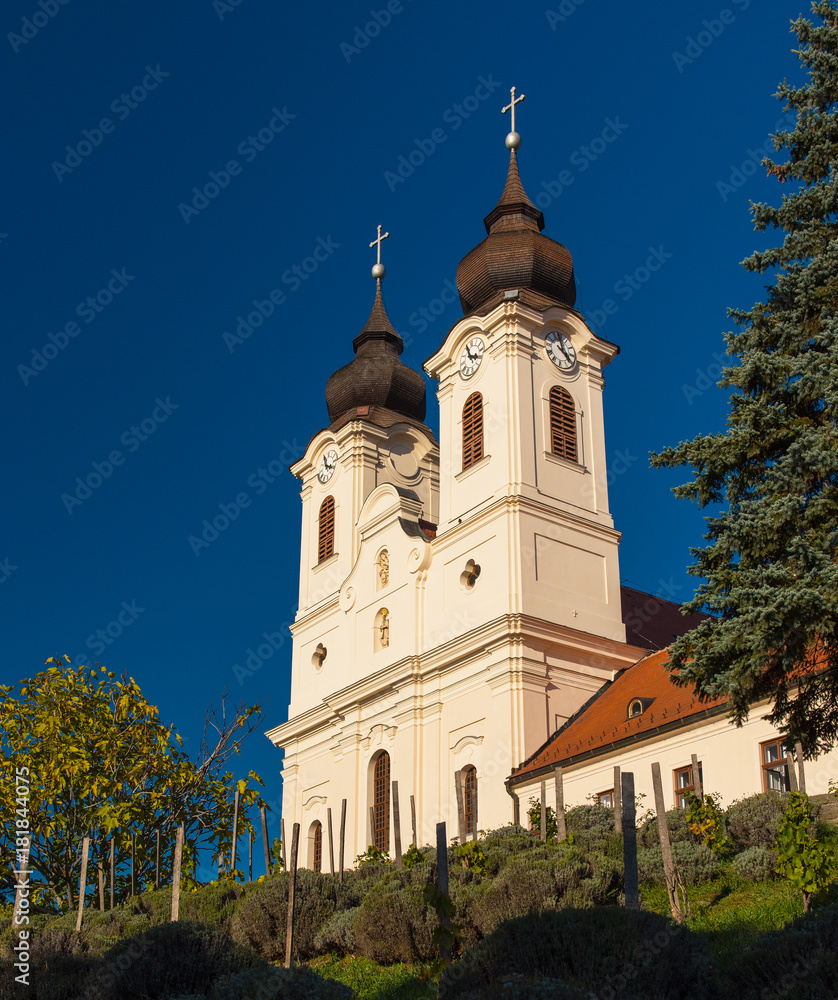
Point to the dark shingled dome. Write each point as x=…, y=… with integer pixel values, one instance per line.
x=515, y=255
x=377, y=377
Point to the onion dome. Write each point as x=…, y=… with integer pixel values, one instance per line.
x=376, y=377
x=515, y=255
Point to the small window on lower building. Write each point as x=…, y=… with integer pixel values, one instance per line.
x=606, y=799
x=684, y=784
x=775, y=767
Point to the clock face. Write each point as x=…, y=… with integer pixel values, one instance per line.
x=471, y=357
x=327, y=465
x=560, y=350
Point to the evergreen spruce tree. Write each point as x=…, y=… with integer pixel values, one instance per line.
x=770, y=570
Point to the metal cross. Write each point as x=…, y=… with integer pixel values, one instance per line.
x=379, y=242
x=511, y=106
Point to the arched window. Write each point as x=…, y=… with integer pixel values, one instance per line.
x=381, y=802
x=472, y=430
x=470, y=790
x=326, y=532
x=562, y=424
x=317, y=846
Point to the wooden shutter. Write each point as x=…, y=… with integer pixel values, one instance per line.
x=326, y=534
x=472, y=430
x=381, y=804
x=562, y=424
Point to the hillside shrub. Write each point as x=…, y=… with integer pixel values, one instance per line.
x=757, y=864
x=754, y=821
x=338, y=933
x=59, y=977
x=166, y=960
x=695, y=863
x=633, y=955
x=799, y=961
x=676, y=821
x=393, y=924
x=299, y=983
x=596, y=818
x=261, y=919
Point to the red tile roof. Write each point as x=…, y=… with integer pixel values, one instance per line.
x=653, y=622
x=604, y=721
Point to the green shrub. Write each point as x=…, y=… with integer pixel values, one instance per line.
x=393, y=924
x=261, y=920
x=63, y=977
x=695, y=863
x=757, y=864
x=753, y=822
x=595, y=818
x=800, y=961
x=299, y=983
x=167, y=960
x=338, y=933
x=676, y=821
x=619, y=953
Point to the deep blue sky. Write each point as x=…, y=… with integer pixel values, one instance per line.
x=217, y=75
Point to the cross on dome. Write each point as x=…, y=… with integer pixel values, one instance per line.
x=378, y=269
x=513, y=140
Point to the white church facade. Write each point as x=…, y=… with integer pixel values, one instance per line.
x=460, y=598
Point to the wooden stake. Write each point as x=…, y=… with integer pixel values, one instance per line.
x=413, y=819
x=630, y=841
x=459, y=782
x=397, y=825
x=798, y=749
x=442, y=882
x=561, y=823
x=372, y=826
x=176, y=874
x=249, y=855
x=618, y=802
x=666, y=847
x=20, y=878
x=265, y=840
x=133, y=856
x=235, y=848
x=85, y=849
x=697, y=789
x=157, y=861
x=282, y=843
x=331, y=842
x=292, y=894
x=342, y=836
x=101, y=886
x=220, y=863
x=543, y=831
x=113, y=858
x=792, y=771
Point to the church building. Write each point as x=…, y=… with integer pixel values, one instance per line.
x=461, y=626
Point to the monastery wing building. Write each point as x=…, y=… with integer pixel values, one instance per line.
x=460, y=607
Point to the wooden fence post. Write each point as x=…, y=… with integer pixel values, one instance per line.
x=133, y=857
x=249, y=855
x=473, y=804
x=342, y=836
x=678, y=913
x=113, y=858
x=543, y=830
x=331, y=842
x=442, y=882
x=157, y=861
x=561, y=823
x=461, y=807
x=792, y=771
x=798, y=749
x=101, y=886
x=85, y=848
x=372, y=825
x=413, y=818
x=265, y=841
x=630, y=841
x=235, y=848
x=20, y=882
x=176, y=873
x=292, y=893
x=697, y=787
x=397, y=825
x=282, y=844
x=618, y=801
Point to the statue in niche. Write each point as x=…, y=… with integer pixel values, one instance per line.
x=384, y=628
x=383, y=568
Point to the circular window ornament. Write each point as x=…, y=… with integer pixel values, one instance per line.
x=469, y=576
x=318, y=657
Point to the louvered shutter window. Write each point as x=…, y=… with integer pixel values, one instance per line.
x=562, y=424
x=326, y=535
x=472, y=430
